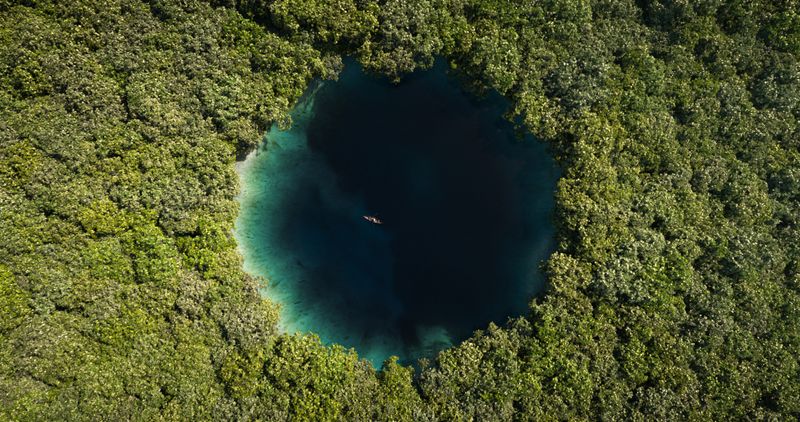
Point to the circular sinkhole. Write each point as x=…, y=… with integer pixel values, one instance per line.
x=397, y=218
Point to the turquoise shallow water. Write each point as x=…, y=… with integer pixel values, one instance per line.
x=466, y=208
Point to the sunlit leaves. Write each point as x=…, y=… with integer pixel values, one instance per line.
x=674, y=292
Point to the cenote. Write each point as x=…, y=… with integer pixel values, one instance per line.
x=465, y=203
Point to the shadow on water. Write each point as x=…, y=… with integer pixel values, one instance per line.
x=466, y=209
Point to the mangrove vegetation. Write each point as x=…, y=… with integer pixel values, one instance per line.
x=673, y=292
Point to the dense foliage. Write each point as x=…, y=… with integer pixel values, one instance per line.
x=674, y=293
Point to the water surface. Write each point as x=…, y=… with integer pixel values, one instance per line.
x=466, y=209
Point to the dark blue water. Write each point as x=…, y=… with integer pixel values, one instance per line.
x=466, y=210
